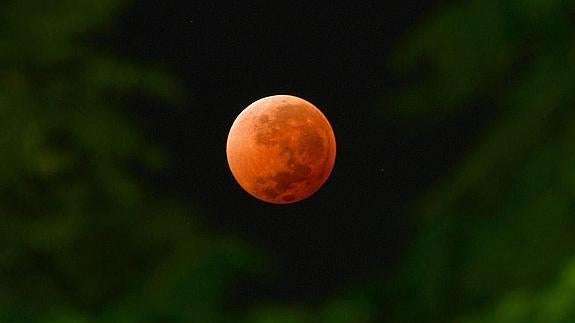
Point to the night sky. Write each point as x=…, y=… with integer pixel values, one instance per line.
x=334, y=55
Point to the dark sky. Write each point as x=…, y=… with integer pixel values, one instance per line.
x=333, y=55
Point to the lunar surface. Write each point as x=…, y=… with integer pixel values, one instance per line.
x=281, y=149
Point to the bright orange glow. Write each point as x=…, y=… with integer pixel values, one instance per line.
x=281, y=149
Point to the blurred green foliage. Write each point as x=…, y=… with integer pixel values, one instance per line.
x=495, y=239
x=85, y=239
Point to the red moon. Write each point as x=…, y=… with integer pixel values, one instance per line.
x=281, y=149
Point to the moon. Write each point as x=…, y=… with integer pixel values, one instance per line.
x=281, y=149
